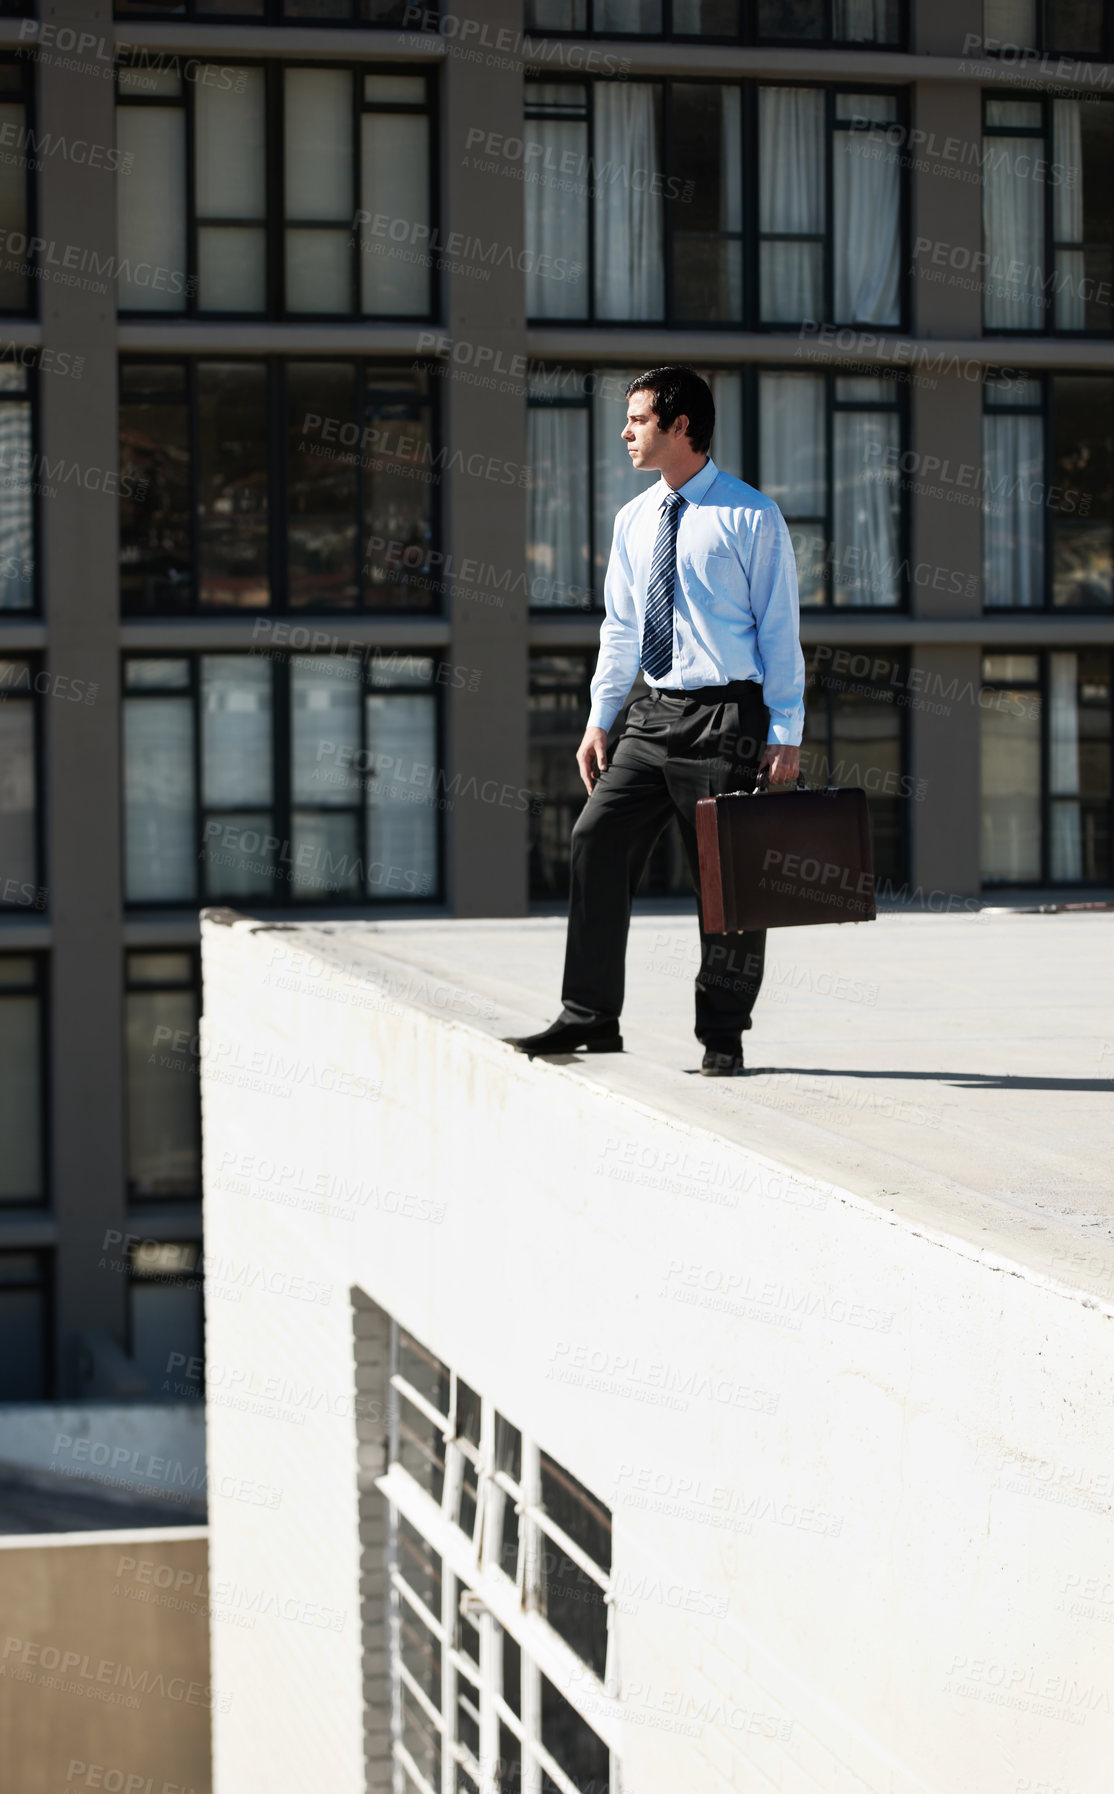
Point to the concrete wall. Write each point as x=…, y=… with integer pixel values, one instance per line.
x=854, y=1527
x=104, y=1662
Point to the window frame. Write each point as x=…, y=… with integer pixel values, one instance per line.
x=276, y=401
x=275, y=222
x=44, y=1261
x=828, y=698
x=39, y=987
x=1049, y=245
x=133, y=987
x=750, y=234
x=1045, y=377
x=27, y=97
x=1040, y=687
x=271, y=13
x=34, y=663
x=749, y=375
x=748, y=32
x=193, y=1280
x=473, y=1578
x=282, y=804
x=1105, y=53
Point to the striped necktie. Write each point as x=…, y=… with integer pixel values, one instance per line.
x=657, y=629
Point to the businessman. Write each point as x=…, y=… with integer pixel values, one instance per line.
x=701, y=593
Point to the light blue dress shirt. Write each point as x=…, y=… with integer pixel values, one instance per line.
x=735, y=607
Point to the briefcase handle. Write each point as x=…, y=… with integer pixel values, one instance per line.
x=762, y=783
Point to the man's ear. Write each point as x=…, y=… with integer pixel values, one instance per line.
x=682, y=424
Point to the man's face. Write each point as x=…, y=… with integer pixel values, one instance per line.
x=649, y=446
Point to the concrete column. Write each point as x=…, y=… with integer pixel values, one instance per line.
x=946, y=208
x=941, y=28
x=82, y=787
x=485, y=419
x=945, y=768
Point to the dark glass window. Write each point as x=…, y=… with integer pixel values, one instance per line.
x=22, y=1080
x=162, y=1066
x=211, y=520
x=1048, y=456
x=879, y=23
x=24, y=1327
x=166, y=1318
x=573, y=1745
x=574, y=1600
x=18, y=483
x=854, y=735
x=20, y=820
x=1065, y=27
x=17, y=257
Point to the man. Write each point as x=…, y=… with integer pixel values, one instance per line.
x=701, y=592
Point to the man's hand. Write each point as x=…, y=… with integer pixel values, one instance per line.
x=591, y=756
x=784, y=763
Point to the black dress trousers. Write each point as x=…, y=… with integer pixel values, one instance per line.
x=676, y=748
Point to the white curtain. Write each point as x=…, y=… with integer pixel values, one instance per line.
x=614, y=480
x=866, y=224
x=151, y=204
x=791, y=200
x=793, y=469
x=727, y=441
x=1010, y=786
x=1013, y=232
x=1013, y=526
x=401, y=813
x=865, y=21
x=557, y=505
x=630, y=272
x=1067, y=212
x=557, y=214
x=865, y=509
x=1063, y=766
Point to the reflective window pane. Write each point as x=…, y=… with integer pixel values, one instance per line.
x=232, y=484
x=18, y=856
x=321, y=490
x=1011, y=785
x=17, y=550
x=159, y=795
x=24, y=1348
x=21, y=1166
x=151, y=208
x=162, y=1072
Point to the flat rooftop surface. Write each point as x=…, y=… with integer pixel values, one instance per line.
x=955, y=1070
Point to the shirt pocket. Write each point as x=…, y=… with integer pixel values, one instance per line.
x=718, y=583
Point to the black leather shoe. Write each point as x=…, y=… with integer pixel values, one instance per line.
x=566, y=1037
x=719, y=1064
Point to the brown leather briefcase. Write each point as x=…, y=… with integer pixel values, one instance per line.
x=784, y=859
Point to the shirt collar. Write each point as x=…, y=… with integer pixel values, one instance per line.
x=693, y=490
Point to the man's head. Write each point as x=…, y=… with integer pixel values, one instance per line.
x=670, y=418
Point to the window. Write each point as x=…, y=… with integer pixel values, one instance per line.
x=342, y=517
x=18, y=587
x=1048, y=502
x=492, y=1543
x=162, y=1004
x=24, y=1327
x=20, y=847
x=637, y=209
x=207, y=227
x=1048, y=220
x=17, y=256
x=829, y=454
x=826, y=447
x=165, y=1318
x=1075, y=27
x=279, y=12
x=813, y=22
x=282, y=779
x=854, y=735
x=22, y=1081
x=558, y=710
x=1046, y=767
x=580, y=474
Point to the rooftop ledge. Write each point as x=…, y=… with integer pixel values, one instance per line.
x=832, y=1342
x=952, y=1072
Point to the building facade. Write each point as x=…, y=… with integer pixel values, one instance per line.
x=316, y=324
